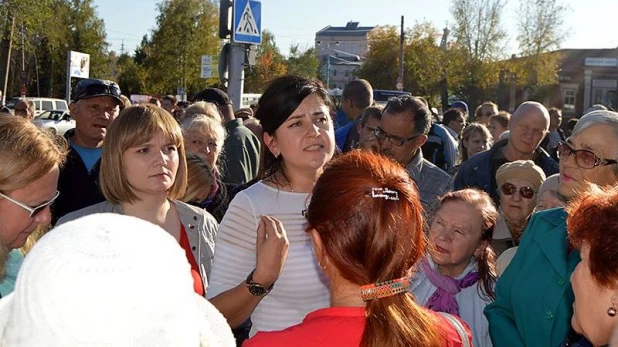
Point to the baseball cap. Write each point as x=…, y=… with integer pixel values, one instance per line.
x=460, y=105
x=214, y=95
x=92, y=87
x=85, y=283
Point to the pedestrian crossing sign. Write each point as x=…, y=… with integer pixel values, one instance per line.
x=247, y=21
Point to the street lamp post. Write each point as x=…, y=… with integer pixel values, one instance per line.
x=357, y=61
x=319, y=42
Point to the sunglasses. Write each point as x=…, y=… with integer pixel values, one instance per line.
x=34, y=211
x=510, y=189
x=583, y=157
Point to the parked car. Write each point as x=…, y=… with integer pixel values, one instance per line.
x=42, y=104
x=56, y=121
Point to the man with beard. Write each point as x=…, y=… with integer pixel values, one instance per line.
x=403, y=130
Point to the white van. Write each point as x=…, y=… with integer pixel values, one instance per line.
x=42, y=104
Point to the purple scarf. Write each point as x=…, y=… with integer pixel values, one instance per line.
x=443, y=299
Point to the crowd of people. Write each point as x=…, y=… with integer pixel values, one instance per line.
x=169, y=224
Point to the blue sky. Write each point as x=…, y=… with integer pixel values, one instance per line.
x=590, y=22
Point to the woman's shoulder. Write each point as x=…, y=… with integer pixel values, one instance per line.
x=552, y=217
x=101, y=207
x=453, y=329
x=331, y=326
x=191, y=214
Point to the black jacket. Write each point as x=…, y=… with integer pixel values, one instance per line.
x=78, y=187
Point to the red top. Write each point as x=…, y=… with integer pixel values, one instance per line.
x=337, y=327
x=198, y=285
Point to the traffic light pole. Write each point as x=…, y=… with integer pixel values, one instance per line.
x=236, y=65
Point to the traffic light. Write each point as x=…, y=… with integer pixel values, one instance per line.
x=225, y=18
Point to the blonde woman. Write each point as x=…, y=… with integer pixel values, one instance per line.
x=30, y=161
x=144, y=173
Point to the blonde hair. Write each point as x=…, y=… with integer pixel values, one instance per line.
x=199, y=176
x=203, y=108
x=26, y=155
x=134, y=126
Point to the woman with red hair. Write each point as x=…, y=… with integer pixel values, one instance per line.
x=365, y=221
x=593, y=230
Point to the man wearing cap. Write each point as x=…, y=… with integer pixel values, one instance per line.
x=241, y=149
x=527, y=127
x=94, y=105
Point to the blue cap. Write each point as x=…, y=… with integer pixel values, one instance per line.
x=461, y=105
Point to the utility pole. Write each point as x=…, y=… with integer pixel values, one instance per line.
x=236, y=81
x=8, y=60
x=22, y=73
x=401, y=57
x=443, y=47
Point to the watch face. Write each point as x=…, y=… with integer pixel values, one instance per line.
x=256, y=290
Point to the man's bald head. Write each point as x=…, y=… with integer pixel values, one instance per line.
x=528, y=126
x=531, y=109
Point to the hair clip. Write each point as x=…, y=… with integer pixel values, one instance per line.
x=385, y=193
x=385, y=289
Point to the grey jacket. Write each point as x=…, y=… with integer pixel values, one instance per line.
x=200, y=226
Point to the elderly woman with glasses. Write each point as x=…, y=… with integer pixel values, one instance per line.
x=30, y=161
x=518, y=182
x=534, y=299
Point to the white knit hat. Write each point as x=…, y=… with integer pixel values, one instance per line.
x=108, y=280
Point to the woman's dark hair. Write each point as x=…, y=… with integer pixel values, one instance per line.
x=282, y=96
x=370, y=239
x=484, y=205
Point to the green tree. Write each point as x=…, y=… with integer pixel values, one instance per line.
x=270, y=64
x=48, y=30
x=305, y=64
x=185, y=30
x=130, y=75
x=381, y=66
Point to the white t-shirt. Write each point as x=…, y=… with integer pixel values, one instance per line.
x=471, y=304
x=301, y=288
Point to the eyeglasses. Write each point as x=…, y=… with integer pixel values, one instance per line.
x=34, y=211
x=510, y=189
x=583, y=157
x=394, y=140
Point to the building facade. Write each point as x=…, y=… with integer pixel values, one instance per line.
x=342, y=50
x=586, y=77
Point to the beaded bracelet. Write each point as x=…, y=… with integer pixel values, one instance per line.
x=385, y=289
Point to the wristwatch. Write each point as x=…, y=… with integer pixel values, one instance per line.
x=257, y=289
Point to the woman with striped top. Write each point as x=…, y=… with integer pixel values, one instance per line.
x=298, y=141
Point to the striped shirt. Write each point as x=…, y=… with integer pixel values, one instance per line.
x=301, y=288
